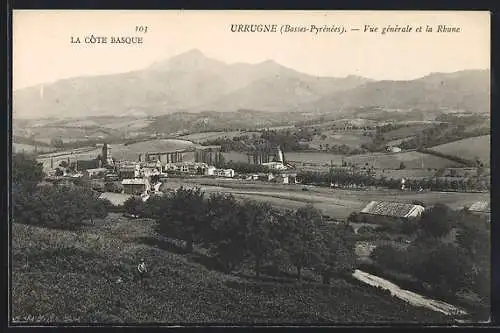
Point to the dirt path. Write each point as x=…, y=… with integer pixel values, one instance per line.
x=408, y=296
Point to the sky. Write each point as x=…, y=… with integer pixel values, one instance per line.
x=42, y=51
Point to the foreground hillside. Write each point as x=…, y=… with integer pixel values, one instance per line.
x=73, y=277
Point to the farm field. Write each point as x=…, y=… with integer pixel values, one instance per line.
x=407, y=131
x=411, y=159
x=131, y=152
x=486, y=123
x=58, y=157
x=406, y=173
x=397, y=142
x=200, y=137
x=337, y=203
x=21, y=147
x=64, y=276
x=126, y=124
x=68, y=134
x=335, y=138
x=470, y=148
x=353, y=121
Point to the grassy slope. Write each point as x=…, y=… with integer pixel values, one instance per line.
x=412, y=159
x=470, y=148
x=21, y=147
x=405, y=132
x=354, y=140
x=72, y=277
x=132, y=151
x=201, y=137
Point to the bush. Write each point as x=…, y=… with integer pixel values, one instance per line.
x=134, y=206
x=113, y=187
x=57, y=207
x=389, y=257
x=97, y=186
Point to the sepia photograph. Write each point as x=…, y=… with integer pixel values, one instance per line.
x=236, y=168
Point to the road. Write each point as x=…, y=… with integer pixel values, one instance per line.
x=408, y=296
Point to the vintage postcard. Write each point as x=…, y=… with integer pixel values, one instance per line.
x=176, y=167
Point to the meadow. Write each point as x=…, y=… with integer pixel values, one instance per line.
x=201, y=137
x=411, y=159
x=131, y=151
x=470, y=148
x=21, y=147
x=354, y=140
x=406, y=131
x=89, y=276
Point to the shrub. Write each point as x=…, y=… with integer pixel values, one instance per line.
x=134, y=206
x=57, y=207
x=113, y=187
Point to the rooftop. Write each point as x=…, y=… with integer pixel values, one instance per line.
x=394, y=209
x=480, y=206
x=208, y=147
x=97, y=170
x=134, y=181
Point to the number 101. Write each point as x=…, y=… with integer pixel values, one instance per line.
x=141, y=28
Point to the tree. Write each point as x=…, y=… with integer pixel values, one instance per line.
x=59, y=207
x=113, y=187
x=134, y=206
x=302, y=235
x=186, y=216
x=446, y=267
x=437, y=221
x=258, y=219
x=226, y=231
x=337, y=252
x=154, y=206
x=473, y=237
x=389, y=257
x=26, y=171
x=59, y=172
x=94, y=207
x=57, y=143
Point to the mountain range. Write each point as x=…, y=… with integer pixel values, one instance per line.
x=193, y=82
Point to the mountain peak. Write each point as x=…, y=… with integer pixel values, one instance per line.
x=192, y=53
x=189, y=60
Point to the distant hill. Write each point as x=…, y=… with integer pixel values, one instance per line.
x=193, y=82
x=289, y=92
x=468, y=90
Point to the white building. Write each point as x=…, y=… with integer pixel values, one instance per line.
x=228, y=173
x=393, y=149
x=187, y=167
x=275, y=165
x=288, y=178
x=210, y=170
x=95, y=172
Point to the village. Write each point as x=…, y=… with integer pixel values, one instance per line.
x=158, y=173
